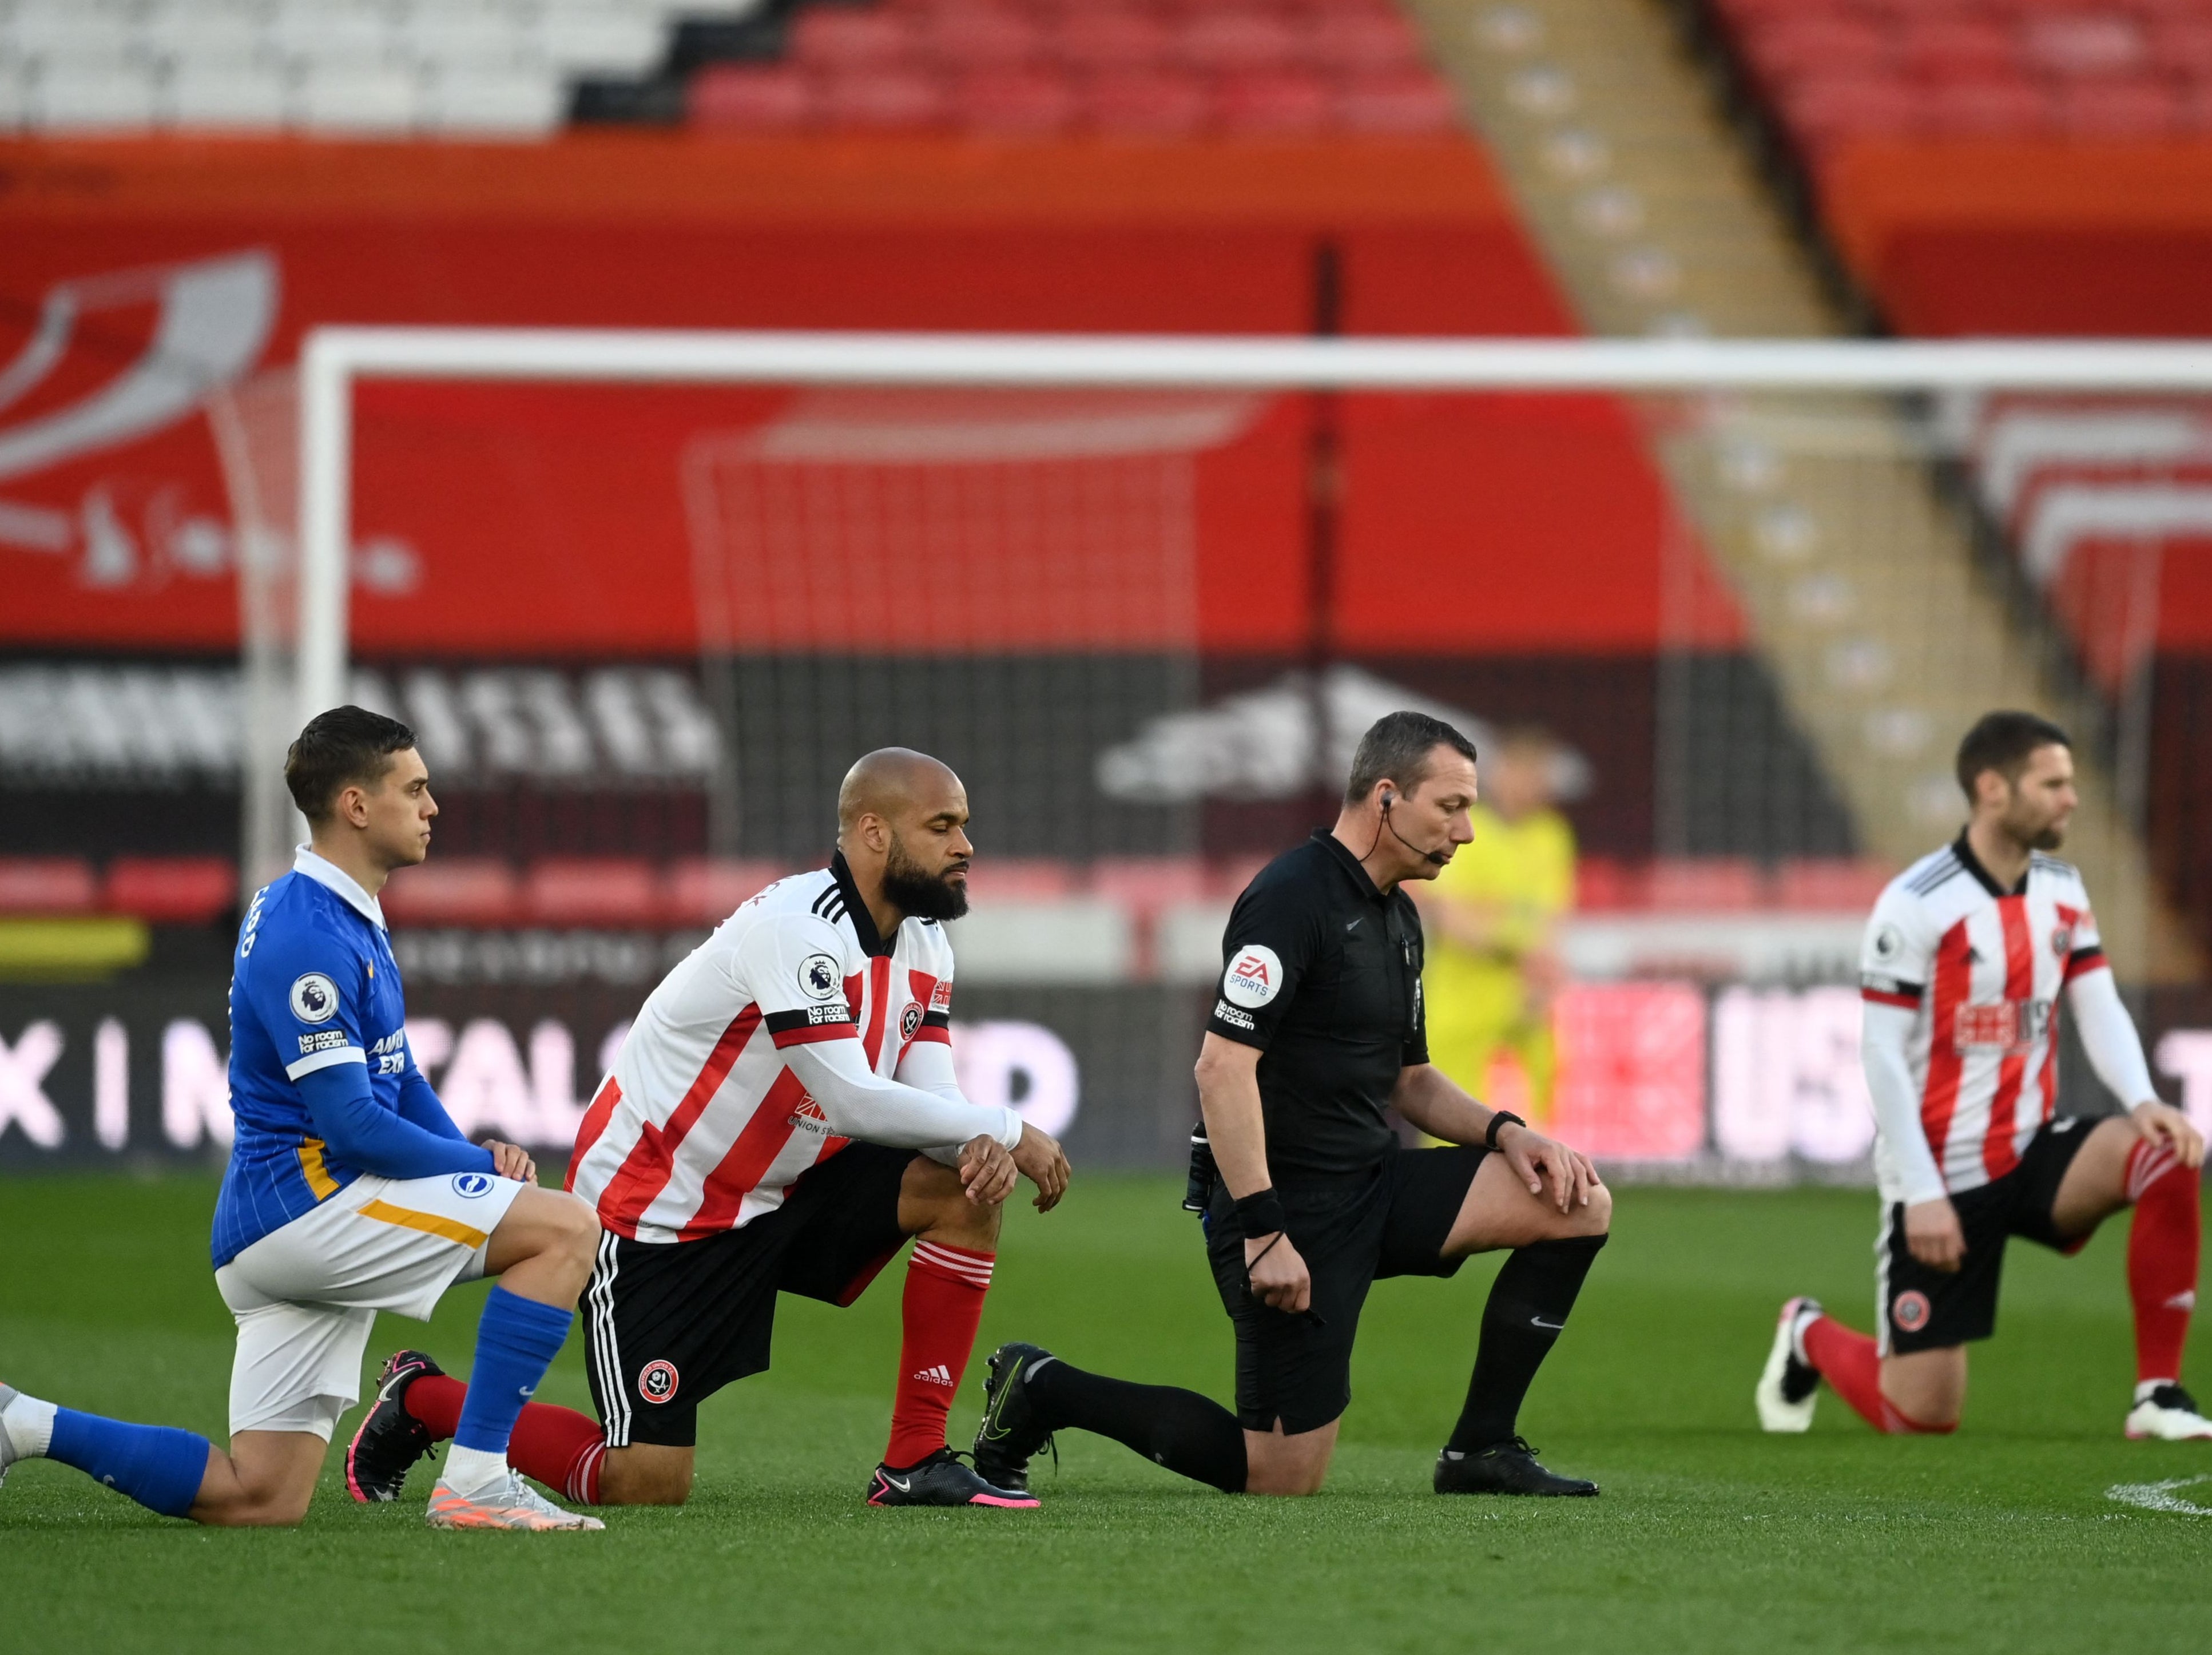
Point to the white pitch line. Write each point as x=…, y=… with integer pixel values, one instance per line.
x=2160, y=1496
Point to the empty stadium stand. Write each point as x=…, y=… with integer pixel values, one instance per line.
x=471, y=68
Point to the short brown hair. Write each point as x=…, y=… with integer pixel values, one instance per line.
x=345, y=746
x=1398, y=745
x=2004, y=742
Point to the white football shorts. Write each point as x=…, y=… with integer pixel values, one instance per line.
x=306, y=1295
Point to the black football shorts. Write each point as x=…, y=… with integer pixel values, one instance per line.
x=1390, y=1220
x=1925, y=1309
x=669, y=1324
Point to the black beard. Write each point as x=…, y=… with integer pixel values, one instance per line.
x=913, y=890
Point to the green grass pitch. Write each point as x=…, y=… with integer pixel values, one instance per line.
x=1709, y=1537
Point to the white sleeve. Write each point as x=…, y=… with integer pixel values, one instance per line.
x=2108, y=1035
x=1884, y=1030
x=860, y=1104
x=1895, y=960
x=928, y=1064
x=793, y=967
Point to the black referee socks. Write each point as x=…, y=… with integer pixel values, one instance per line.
x=1192, y=1435
x=1529, y=1306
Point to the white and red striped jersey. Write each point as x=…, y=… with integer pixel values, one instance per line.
x=1981, y=967
x=702, y=1124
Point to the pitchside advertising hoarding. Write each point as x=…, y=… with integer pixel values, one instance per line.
x=1677, y=1078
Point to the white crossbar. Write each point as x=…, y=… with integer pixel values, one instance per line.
x=335, y=357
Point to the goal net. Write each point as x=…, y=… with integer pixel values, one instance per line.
x=1724, y=609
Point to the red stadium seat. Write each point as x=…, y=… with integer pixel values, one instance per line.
x=1279, y=101
x=2184, y=45
x=2086, y=43
x=172, y=890
x=1823, y=109
x=46, y=884
x=1146, y=103
x=1011, y=880
x=607, y=891
x=458, y=890
x=1989, y=107
x=706, y=891
x=1702, y=884
x=2145, y=109
x=1829, y=884
x=836, y=36
x=1603, y=885
x=1027, y=102
x=1231, y=40
x=1411, y=100
x=751, y=97
x=974, y=37
x=1362, y=43
x=1785, y=51
x=1109, y=39
x=883, y=100
x=1146, y=882
x=1954, y=47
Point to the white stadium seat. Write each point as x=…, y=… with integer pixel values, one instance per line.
x=236, y=97
x=605, y=43
x=335, y=99
x=518, y=103
x=95, y=96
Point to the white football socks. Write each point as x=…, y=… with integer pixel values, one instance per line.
x=29, y=1424
x=473, y=1471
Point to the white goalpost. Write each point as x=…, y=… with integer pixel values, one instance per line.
x=1870, y=375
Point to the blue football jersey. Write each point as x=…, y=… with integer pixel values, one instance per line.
x=312, y=983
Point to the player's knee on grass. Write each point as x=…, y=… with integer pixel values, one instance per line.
x=267, y=1481
x=645, y=1474
x=1289, y=1467
x=1927, y=1387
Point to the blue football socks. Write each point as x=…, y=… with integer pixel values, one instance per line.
x=516, y=1343
x=158, y=1466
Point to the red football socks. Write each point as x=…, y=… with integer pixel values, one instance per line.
x=557, y=1446
x=1852, y=1366
x=2162, y=1246
x=943, y=1307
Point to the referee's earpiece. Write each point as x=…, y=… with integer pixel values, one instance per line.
x=1434, y=858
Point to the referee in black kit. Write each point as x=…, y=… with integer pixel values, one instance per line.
x=1317, y=1030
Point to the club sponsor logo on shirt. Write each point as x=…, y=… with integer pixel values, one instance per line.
x=2002, y=1025
x=819, y=978
x=1910, y=1310
x=314, y=998
x=657, y=1382
x=910, y=1021
x=1254, y=977
x=808, y=1117
x=1225, y=1013
x=469, y=1186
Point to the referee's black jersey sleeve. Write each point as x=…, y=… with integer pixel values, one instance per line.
x=1273, y=932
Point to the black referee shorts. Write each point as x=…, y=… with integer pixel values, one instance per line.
x=1925, y=1309
x=1390, y=1220
x=669, y=1324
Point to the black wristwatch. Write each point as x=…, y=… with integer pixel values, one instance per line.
x=1499, y=1118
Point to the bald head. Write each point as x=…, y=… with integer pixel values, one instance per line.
x=890, y=782
x=902, y=821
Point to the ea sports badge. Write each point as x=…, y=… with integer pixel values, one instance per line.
x=314, y=998
x=1253, y=978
